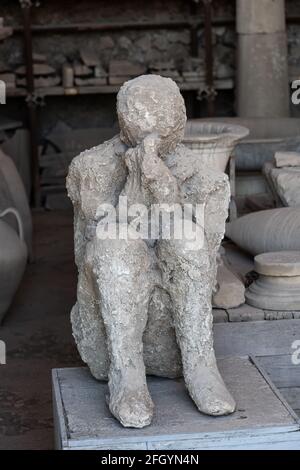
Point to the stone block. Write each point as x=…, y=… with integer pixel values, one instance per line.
x=9, y=79
x=118, y=80
x=93, y=81
x=41, y=82
x=286, y=184
x=39, y=69
x=124, y=67
x=39, y=58
x=245, y=313
x=283, y=159
x=82, y=70
x=230, y=289
x=275, y=315
x=220, y=316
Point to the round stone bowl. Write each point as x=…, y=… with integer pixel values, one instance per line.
x=214, y=142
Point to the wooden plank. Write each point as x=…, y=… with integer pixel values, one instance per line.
x=60, y=431
x=261, y=420
x=292, y=396
x=277, y=392
x=281, y=370
x=264, y=338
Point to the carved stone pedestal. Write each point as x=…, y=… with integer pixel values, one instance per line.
x=278, y=286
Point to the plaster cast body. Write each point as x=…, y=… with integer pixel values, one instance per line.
x=138, y=299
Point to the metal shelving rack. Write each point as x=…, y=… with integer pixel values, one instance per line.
x=205, y=89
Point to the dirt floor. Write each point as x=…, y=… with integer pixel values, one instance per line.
x=38, y=337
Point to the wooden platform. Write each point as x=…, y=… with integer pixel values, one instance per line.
x=285, y=375
x=263, y=420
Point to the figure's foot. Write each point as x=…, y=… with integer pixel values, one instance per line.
x=133, y=407
x=208, y=390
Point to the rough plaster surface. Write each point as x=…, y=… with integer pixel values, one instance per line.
x=145, y=306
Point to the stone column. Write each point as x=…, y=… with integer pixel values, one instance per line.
x=262, y=76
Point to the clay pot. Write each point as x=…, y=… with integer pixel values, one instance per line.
x=214, y=142
x=12, y=194
x=13, y=258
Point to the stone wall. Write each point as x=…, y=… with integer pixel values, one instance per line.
x=141, y=46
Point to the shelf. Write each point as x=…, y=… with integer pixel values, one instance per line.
x=225, y=84
x=186, y=22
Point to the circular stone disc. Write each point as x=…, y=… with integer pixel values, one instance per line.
x=279, y=263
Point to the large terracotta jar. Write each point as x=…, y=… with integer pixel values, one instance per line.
x=214, y=142
x=13, y=194
x=13, y=258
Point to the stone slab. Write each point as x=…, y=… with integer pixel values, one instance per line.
x=279, y=263
x=261, y=338
x=245, y=313
x=220, y=315
x=263, y=420
x=230, y=289
x=283, y=159
x=278, y=315
x=285, y=183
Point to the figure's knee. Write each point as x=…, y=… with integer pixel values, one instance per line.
x=118, y=256
x=184, y=253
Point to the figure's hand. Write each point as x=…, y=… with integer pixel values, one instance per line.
x=144, y=159
x=146, y=169
x=151, y=144
x=133, y=162
x=155, y=173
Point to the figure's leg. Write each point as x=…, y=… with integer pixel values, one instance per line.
x=189, y=277
x=87, y=324
x=121, y=269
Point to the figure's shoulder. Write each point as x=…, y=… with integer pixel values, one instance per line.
x=186, y=165
x=100, y=169
x=107, y=152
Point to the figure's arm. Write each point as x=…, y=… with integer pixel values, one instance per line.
x=216, y=210
x=155, y=175
x=95, y=177
x=202, y=186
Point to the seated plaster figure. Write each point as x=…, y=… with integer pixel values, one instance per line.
x=144, y=305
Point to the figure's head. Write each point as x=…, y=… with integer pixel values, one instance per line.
x=151, y=104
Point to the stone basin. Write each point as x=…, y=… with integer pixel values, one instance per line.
x=267, y=136
x=214, y=142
